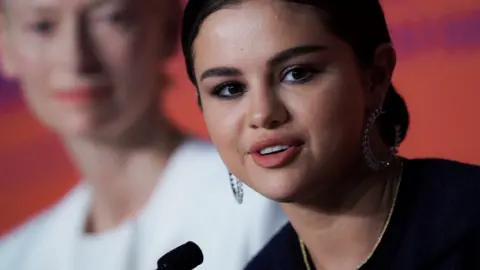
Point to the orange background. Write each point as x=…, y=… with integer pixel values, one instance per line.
x=438, y=44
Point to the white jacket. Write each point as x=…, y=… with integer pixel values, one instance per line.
x=193, y=202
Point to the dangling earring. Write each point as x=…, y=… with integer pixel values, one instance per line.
x=237, y=188
x=372, y=162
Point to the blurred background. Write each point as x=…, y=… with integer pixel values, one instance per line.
x=438, y=45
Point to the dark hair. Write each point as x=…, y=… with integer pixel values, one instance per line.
x=361, y=24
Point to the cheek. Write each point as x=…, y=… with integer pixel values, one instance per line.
x=131, y=71
x=117, y=62
x=115, y=56
x=224, y=126
x=33, y=65
x=34, y=72
x=334, y=114
x=114, y=50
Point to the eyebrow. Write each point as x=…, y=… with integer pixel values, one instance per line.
x=220, y=72
x=276, y=60
x=293, y=52
x=48, y=8
x=43, y=8
x=100, y=3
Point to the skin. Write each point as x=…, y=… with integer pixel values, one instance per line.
x=114, y=50
x=262, y=72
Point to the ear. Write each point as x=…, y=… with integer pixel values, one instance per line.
x=7, y=66
x=383, y=64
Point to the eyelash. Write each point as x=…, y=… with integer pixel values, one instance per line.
x=39, y=27
x=310, y=73
x=218, y=89
x=122, y=19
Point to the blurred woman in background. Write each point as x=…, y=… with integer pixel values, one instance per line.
x=91, y=71
x=298, y=98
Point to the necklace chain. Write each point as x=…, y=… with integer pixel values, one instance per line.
x=387, y=221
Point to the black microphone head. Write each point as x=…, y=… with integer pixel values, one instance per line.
x=185, y=257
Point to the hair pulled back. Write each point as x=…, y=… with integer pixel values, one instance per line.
x=361, y=24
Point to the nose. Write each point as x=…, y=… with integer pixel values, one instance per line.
x=78, y=52
x=266, y=109
x=88, y=60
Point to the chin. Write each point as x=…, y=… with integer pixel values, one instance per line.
x=75, y=126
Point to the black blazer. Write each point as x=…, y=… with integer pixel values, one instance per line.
x=435, y=224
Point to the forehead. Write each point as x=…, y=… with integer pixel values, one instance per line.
x=256, y=30
x=52, y=3
x=70, y=4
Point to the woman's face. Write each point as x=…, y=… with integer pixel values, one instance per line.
x=283, y=99
x=87, y=67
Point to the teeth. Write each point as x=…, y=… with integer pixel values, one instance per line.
x=273, y=149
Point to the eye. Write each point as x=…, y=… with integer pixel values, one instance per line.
x=229, y=90
x=121, y=18
x=298, y=74
x=43, y=27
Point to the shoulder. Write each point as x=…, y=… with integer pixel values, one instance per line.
x=282, y=252
x=441, y=199
x=199, y=147
x=196, y=163
x=194, y=166
x=15, y=245
x=445, y=179
x=200, y=157
x=444, y=168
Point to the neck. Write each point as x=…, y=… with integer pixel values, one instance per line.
x=342, y=238
x=124, y=171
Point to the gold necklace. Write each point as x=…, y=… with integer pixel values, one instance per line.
x=387, y=221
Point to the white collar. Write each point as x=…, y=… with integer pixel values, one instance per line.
x=65, y=222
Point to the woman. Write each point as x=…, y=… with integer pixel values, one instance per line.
x=91, y=70
x=297, y=96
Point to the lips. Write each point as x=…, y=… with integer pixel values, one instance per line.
x=82, y=95
x=276, y=152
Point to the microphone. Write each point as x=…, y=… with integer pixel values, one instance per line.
x=185, y=257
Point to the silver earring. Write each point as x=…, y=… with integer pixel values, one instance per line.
x=237, y=188
x=372, y=162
